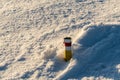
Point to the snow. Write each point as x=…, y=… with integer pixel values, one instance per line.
x=32, y=33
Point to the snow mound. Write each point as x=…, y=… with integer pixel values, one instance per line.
x=98, y=53
x=32, y=33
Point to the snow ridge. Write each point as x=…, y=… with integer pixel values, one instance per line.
x=32, y=32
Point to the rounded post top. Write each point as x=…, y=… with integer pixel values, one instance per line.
x=67, y=38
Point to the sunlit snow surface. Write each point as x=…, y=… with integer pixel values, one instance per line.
x=32, y=32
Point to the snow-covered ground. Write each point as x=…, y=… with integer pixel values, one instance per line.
x=32, y=33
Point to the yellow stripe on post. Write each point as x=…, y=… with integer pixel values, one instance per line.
x=67, y=55
x=68, y=51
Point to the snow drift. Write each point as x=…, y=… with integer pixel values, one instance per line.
x=32, y=32
x=98, y=52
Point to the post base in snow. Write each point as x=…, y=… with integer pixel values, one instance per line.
x=66, y=60
x=67, y=55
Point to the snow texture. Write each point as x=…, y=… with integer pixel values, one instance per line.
x=32, y=33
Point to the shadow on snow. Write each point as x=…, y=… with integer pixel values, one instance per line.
x=101, y=54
